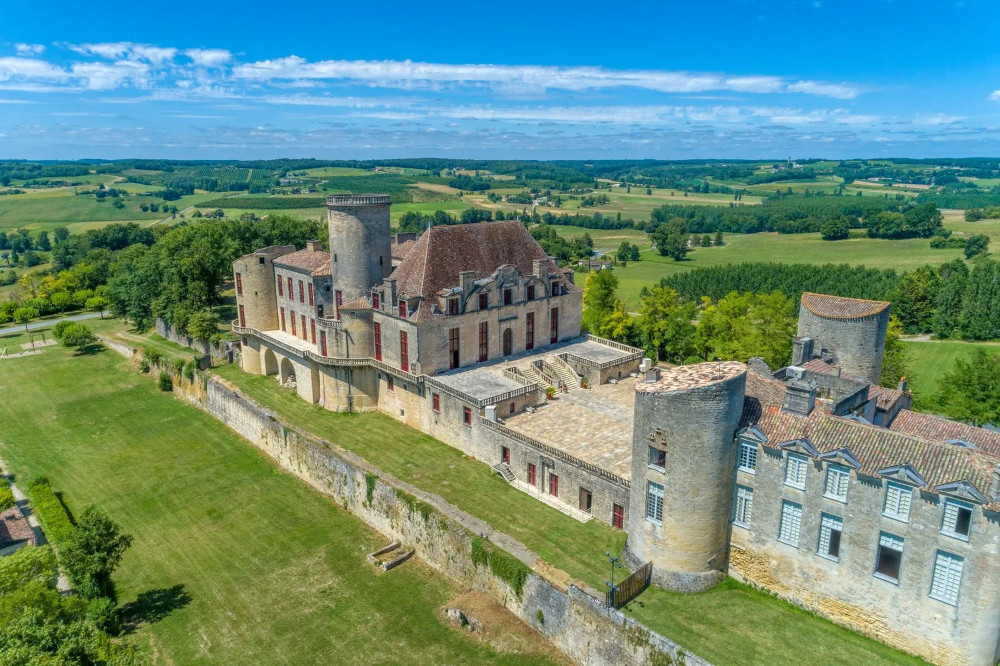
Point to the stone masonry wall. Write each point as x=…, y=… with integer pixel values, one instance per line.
x=573, y=619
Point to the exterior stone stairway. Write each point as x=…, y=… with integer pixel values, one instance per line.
x=567, y=375
x=533, y=375
x=503, y=469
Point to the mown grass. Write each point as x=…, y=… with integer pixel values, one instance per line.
x=233, y=561
x=930, y=360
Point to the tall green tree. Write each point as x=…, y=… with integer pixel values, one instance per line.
x=981, y=305
x=953, y=283
x=742, y=326
x=917, y=299
x=894, y=362
x=671, y=239
x=93, y=551
x=971, y=391
x=598, y=299
x=666, y=326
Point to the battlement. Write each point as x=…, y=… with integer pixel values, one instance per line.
x=337, y=200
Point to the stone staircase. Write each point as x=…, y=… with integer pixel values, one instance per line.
x=533, y=375
x=503, y=469
x=567, y=375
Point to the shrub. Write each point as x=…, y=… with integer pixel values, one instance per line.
x=151, y=355
x=370, y=487
x=178, y=366
x=144, y=365
x=504, y=566
x=60, y=328
x=165, y=382
x=189, y=369
x=541, y=616
x=78, y=336
x=6, y=496
x=50, y=511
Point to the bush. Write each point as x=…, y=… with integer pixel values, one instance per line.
x=504, y=566
x=151, y=355
x=837, y=229
x=50, y=511
x=165, y=382
x=189, y=369
x=78, y=336
x=60, y=328
x=144, y=365
x=6, y=496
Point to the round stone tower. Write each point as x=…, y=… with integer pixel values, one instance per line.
x=683, y=456
x=360, y=257
x=849, y=332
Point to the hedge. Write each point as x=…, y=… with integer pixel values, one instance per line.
x=50, y=511
x=6, y=496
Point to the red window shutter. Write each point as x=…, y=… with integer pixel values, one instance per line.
x=404, y=351
x=292, y=317
x=243, y=319
x=554, y=325
x=239, y=284
x=312, y=327
x=339, y=301
x=467, y=416
x=531, y=474
x=291, y=290
x=305, y=333
x=282, y=317
x=311, y=302
x=437, y=402
x=617, y=516
x=529, y=331
x=375, y=301
x=322, y=342
x=402, y=309
x=302, y=293
x=378, y=341
x=553, y=485
x=281, y=288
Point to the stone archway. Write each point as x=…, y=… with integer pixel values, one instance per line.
x=270, y=363
x=508, y=342
x=286, y=372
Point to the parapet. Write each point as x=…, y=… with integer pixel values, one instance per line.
x=687, y=377
x=354, y=200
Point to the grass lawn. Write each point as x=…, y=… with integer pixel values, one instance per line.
x=930, y=360
x=233, y=561
x=735, y=624
x=436, y=467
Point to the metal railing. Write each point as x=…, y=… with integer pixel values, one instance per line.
x=556, y=453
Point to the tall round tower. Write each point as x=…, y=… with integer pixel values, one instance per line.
x=851, y=332
x=683, y=453
x=360, y=257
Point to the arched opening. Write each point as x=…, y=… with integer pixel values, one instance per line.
x=287, y=375
x=270, y=363
x=508, y=342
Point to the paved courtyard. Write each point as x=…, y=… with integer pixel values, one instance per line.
x=595, y=425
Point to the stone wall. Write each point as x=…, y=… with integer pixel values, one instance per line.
x=857, y=344
x=572, y=618
x=166, y=331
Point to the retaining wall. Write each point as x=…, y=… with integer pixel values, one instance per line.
x=166, y=331
x=574, y=619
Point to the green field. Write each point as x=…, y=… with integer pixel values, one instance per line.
x=233, y=561
x=930, y=360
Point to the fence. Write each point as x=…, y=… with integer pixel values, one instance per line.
x=632, y=586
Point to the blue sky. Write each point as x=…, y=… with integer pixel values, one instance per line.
x=664, y=80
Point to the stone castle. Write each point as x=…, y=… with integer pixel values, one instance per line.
x=810, y=481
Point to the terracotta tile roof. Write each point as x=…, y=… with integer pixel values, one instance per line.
x=941, y=430
x=400, y=250
x=14, y=527
x=359, y=303
x=887, y=397
x=838, y=307
x=442, y=252
x=314, y=263
x=820, y=366
x=876, y=448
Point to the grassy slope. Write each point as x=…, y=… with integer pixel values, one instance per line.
x=929, y=361
x=273, y=571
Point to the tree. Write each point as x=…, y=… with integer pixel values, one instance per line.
x=42, y=242
x=742, y=326
x=60, y=234
x=665, y=326
x=976, y=245
x=619, y=324
x=894, y=365
x=93, y=551
x=971, y=391
x=78, y=336
x=706, y=241
x=96, y=304
x=598, y=299
x=61, y=300
x=671, y=239
x=953, y=282
x=916, y=300
x=204, y=324
x=23, y=315
x=836, y=229
x=627, y=252
x=718, y=239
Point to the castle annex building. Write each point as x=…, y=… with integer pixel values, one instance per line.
x=810, y=481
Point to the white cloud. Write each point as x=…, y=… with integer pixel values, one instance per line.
x=209, y=57
x=995, y=96
x=29, y=49
x=156, y=55
x=526, y=78
x=106, y=76
x=29, y=68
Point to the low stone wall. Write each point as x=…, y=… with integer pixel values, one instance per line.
x=166, y=331
x=572, y=618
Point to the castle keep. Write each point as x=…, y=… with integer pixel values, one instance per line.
x=809, y=481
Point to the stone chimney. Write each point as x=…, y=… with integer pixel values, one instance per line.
x=652, y=375
x=465, y=280
x=800, y=396
x=902, y=384
x=802, y=350
x=314, y=246
x=540, y=268
x=391, y=281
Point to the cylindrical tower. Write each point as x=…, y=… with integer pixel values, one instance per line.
x=683, y=453
x=360, y=257
x=253, y=275
x=850, y=330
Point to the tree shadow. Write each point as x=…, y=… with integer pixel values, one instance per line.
x=90, y=350
x=152, y=606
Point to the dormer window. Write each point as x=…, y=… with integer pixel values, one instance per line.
x=453, y=306
x=531, y=292
x=484, y=301
x=508, y=296
x=402, y=309
x=554, y=288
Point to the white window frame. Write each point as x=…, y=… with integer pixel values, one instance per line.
x=895, y=506
x=892, y=542
x=790, y=525
x=659, y=468
x=795, y=474
x=946, y=579
x=828, y=523
x=950, y=515
x=743, y=506
x=840, y=478
x=654, y=502
x=748, y=454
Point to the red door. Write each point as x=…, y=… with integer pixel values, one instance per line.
x=531, y=474
x=553, y=485
x=484, y=341
x=505, y=455
x=617, y=516
x=305, y=333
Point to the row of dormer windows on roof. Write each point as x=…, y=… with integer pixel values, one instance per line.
x=484, y=299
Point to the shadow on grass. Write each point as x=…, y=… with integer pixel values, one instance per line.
x=90, y=350
x=152, y=606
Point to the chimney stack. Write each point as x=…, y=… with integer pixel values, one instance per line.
x=465, y=280
x=902, y=384
x=800, y=397
x=314, y=246
x=802, y=350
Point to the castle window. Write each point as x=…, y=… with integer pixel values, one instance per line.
x=531, y=292
x=484, y=301
x=305, y=333
x=453, y=306
x=897, y=501
x=617, y=516
x=748, y=457
x=402, y=309
x=791, y=523
x=338, y=301
x=322, y=342
x=302, y=293
x=554, y=325
x=312, y=329
x=376, y=304
x=243, y=319
x=531, y=474
x=508, y=296
x=292, y=317
x=389, y=383
x=554, y=287
x=484, y=341
x=281, y=289
x=890, y=557
x=657, y=458
x=404, y=351
x=947, y=577
x=239, y=284
x=378, y=341
x=957, y=519
x=654, y=503
x=795, y=471
x=311, y=294
x=261, y=260
x=436, y=402
x=830, y=529
x=291, y=290
x=283, y=319
x=454, y=357
x=744, y=506
x=553, y=485
x=837, y=480
x=467, y=417
x=529, y=331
